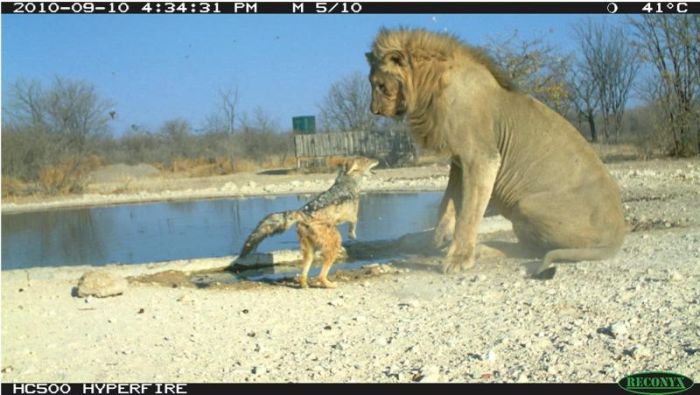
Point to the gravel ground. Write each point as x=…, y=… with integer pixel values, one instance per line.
x=404, y=322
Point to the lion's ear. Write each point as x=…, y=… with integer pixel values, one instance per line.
x=396, y=58
x=370, y=58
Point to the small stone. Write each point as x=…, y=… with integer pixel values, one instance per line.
x=335, y=302
x=101, y=284
x=639, y=352
x=340, y=346
x=675, y=276
x=429, y=374
x=491, y=356
x=618, y=330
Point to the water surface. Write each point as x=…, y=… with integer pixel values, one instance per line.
x=183, y=230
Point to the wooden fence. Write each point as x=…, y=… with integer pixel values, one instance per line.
x=389, y=147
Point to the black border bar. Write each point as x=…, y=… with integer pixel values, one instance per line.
x=306, y=389
x=347, y=7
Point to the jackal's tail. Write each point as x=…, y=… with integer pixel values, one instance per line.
x=273, y=224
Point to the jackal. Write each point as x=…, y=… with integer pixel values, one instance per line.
x=318, y=219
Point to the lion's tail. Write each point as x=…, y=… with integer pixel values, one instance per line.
x=545, y=271
x=272, y=224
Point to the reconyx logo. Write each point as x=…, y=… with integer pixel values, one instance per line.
x=655, y=383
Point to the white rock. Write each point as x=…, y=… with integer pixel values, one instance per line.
x=430, y=374
x=491, y=356
x=101, y=284
x=335, y=302
x=675, y=276
x=618, y=330
x=640, y=352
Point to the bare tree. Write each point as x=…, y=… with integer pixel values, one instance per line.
x=535, y=66
x=672, y=45
x=584, y=98
x=51, y=127
x=346, y=107
x=177, y=135
x=610, y=64
x=76, y=113
x=26, y=106
x=223, y=120
x=260, y=136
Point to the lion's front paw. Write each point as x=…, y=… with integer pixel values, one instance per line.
x=442, y=237
x=456, y=263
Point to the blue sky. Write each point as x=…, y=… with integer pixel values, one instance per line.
x=159, y=67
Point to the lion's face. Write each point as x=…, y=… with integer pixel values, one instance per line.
x=388, y=97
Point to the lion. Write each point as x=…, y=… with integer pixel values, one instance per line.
x=505, y=145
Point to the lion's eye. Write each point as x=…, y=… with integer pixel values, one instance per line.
x=382, y=88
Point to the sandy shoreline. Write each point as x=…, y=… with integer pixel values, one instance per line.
x=594, y=322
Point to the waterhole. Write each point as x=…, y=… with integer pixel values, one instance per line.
x=184, y=230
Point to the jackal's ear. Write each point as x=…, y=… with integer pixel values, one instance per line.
x=350, y=165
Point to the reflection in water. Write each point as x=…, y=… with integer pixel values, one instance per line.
x=183, y=230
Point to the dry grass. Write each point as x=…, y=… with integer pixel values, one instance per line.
x=13, y=187
x=276, y=162
x=201, y=167
x=69, y=176
x=643, y=150
x=204, y=167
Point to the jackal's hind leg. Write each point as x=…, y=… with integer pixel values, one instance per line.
x=330, y=247
x=307, y=251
